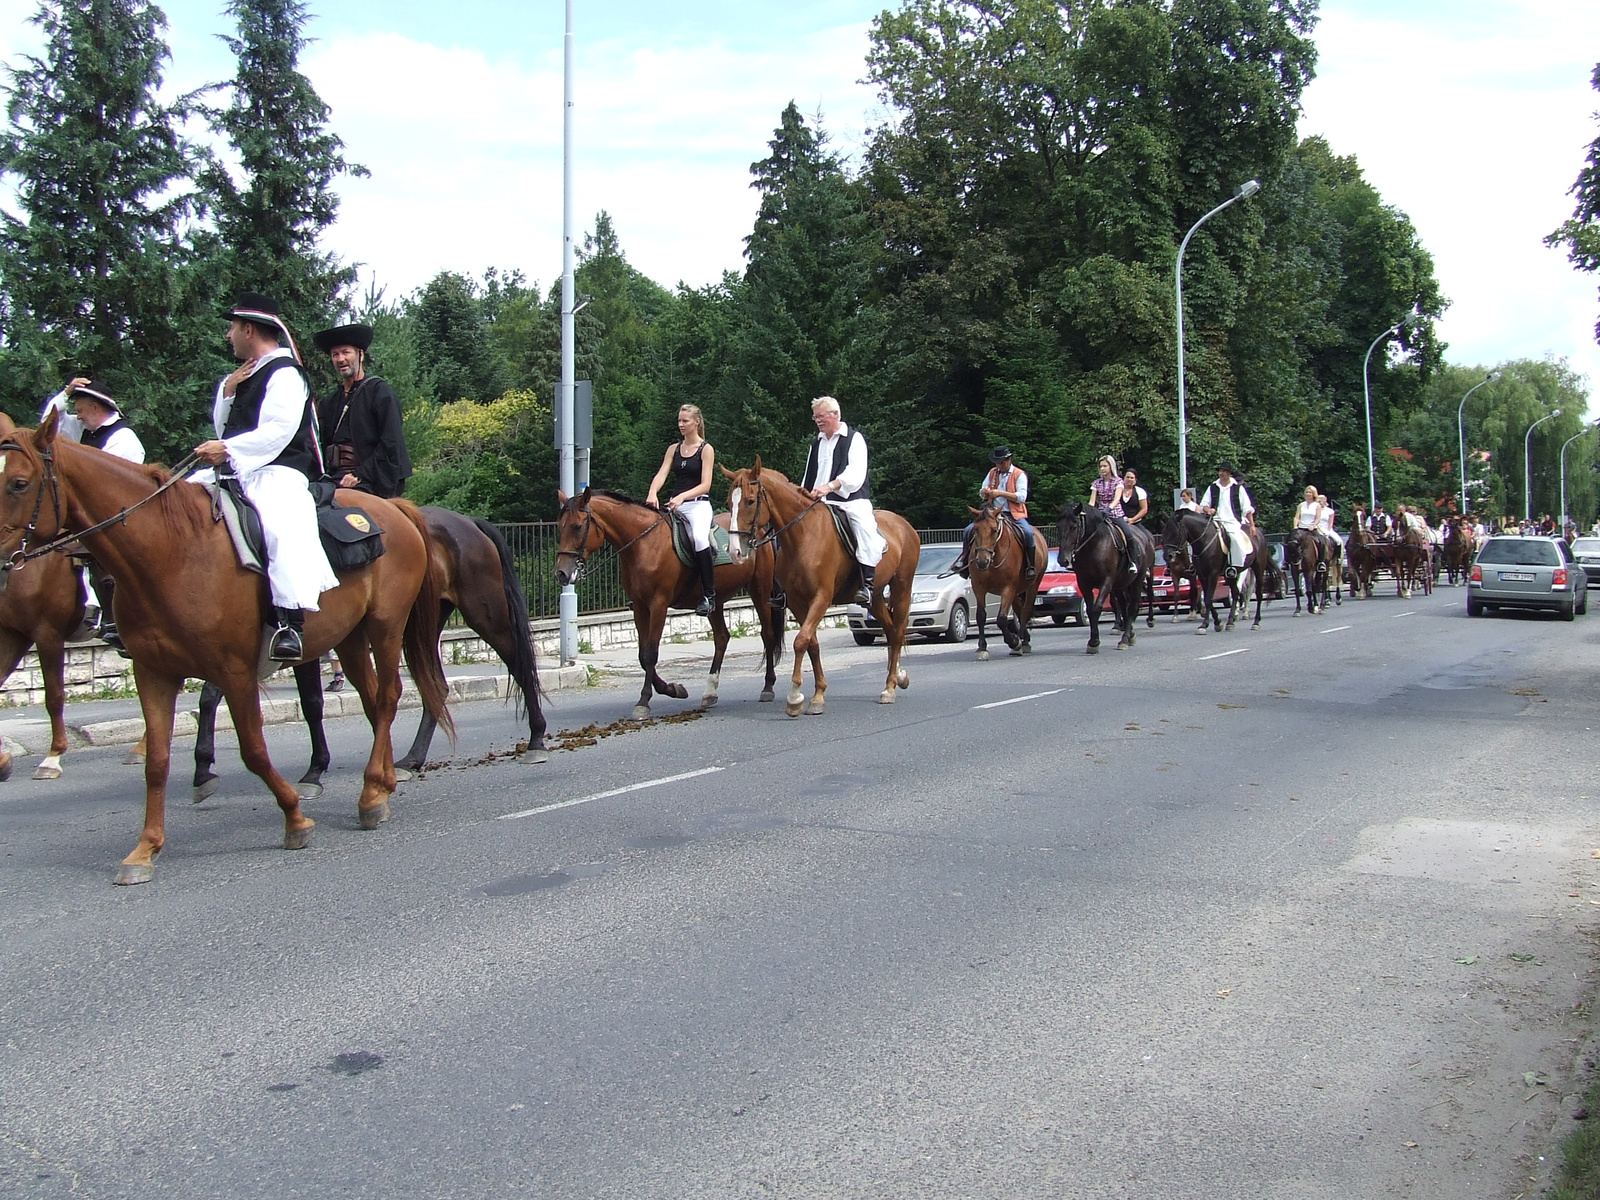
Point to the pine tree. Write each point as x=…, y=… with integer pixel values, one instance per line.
x=88, y=270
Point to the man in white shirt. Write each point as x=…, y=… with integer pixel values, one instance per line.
x=267, y=439
x=836, y=472
x=1227, y=502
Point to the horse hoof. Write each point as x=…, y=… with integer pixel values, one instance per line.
x=1122, y=645
x=641, y=712
x=1201, y=631
x=309, y=791
x=1091, y=650
x=902, y=678
x=372, y=817
x=39, y=772
x=205, y=789
x=767, y=697
x=132, y=758
x=708, y=699
x=887, y=697
x=401, y=775
x=794, y=710
x=1027, y=648
x=129, y=874
x=1296, y=612
x=407, y=764
x=816, y=708
x=679, y=692
x=297, y=839
x=983, y=656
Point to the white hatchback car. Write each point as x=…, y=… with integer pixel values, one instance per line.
x=940, y=608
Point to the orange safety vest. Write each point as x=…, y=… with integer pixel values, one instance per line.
x=1016, y=508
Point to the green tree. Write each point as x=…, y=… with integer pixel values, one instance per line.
x=454, y=343
x=1581, y=232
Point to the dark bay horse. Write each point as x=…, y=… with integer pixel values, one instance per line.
x=1362, y=553
x=998, y=563
x=1460, y=544
x=1087, y=539
x=476, y=575
x=187, y=609
x=42, y=608
x=816, y=571
x=1193, y=542
x=1307, y=559
x=656, y=579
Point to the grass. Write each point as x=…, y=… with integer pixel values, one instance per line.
x=1579, y=1178
x=585, y=646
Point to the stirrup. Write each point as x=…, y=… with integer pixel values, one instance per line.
x=707, y=605
x=286, y=645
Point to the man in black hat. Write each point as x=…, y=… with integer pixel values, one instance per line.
x=1005, y=487
x=363, y=440
x=1227, y=502
x=266, y=439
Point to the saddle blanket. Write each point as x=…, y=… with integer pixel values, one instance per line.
x=349, y=537
x=684, y=546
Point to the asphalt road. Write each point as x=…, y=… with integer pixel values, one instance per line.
x=1312, y=919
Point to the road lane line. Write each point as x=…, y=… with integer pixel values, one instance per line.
x=632, y=787
x=1017, y=700
x=1224, y=654
x=1412, y=613
x=1336, y=629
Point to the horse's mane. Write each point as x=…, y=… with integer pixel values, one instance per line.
x=619, y=497
x=186, y=507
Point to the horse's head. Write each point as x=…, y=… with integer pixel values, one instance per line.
x=1070, y=525
x=577, y=537
x=749, y=508
x=26, y=474
x=1175, y=545
x=986, y=532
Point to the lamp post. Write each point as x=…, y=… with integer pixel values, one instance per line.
x=1564, y=446
x=1461, y=434
x=1366, y=391
x=1527, y=465
x=1249, y=188
x=567, y=472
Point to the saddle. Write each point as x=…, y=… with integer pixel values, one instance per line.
x=841, y=525
x=683, y=544
x=349, y=538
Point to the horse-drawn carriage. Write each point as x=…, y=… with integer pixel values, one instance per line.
x=1410, y=559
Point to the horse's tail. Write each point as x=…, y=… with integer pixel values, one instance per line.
x=524, y=667
x=421, y=640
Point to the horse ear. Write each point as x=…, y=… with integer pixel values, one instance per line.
x=755, y=470
x=44, y=437
x=562, y=497
x=7, y=426
x=977, y=512
x=583, y=500
x=727, y=473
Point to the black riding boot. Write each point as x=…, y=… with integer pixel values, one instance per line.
x=962, y=565
x=707, y=559
x=287, y=645
x=106, y=630
x=864, y=596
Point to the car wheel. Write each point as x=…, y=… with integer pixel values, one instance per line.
x=1474, y=608
x=1080, y=618
x=957, y=630
x=1058, y=618
x=1583, y=604
x=863, y=637
x=1569, y=611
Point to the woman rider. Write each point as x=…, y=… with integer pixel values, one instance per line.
x=1105, y=493
x=689, y=463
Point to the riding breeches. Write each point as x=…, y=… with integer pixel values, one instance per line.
x=697, y=513
x=297, y=569
x=1238, y=541
x=870, y=543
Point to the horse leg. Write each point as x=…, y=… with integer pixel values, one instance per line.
x=417, y=757
x=772, y=622
x=372, y=665
x=895, y=621
x=1093, y=597
x=244, y=702
x=653, y=680
x=13, y=646
x=52, y=665
x=205, y=742
x=719, y=638
x=158, y=695
x=983, y=622
x=1294, y=578
x=308, y=682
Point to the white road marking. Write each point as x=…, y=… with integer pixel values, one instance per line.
x=1016, y=700
x=1224, y=654
x=1336, y=629
x=1412, y=613
x=632, y=787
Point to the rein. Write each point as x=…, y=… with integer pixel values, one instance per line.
x=582, y=554
x=772, y=537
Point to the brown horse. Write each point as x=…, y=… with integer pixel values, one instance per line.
x=816, y=571
x=1306, y=556
x=998, y=560
x=656, y=579
x=1362, y=551
x=42, y=608
x=187, y=609
x=1413, y=558
x=1460, y=544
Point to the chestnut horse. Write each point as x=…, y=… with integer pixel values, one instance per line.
x=42, y=608
x=816, y=571
x=187, y=609
x=477, y=576
x=656, y=579
x=1460, y=544
x=997, y=561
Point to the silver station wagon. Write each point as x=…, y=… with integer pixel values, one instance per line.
x=1527, y=572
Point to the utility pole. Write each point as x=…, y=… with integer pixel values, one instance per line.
x=569, y=594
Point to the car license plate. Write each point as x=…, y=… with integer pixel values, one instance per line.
x=1516, y=577
x=1161, y=591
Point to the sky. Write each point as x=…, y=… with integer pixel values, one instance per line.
x=1472, y=116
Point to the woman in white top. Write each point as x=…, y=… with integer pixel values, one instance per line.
x=1308, y=512
x=689, y=462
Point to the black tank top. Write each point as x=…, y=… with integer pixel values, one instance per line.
x=686, y=470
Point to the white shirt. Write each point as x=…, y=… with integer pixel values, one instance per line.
x=282, y=409
x=1325, y=519
x=1014, y=480
x=855, y=471
x=1308, y=515
x=123, y=442
x=1224, y=505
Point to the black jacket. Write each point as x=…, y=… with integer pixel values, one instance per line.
x=371, y=423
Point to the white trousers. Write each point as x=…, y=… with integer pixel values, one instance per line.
x=297, y=569
x=870, y=544
x=1238, y=541
x=698, y=513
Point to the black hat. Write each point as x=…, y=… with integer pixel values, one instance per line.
x=1228, y=467
x=999, y=454
x=359, y=336
x=96, y=390
x=253, y=306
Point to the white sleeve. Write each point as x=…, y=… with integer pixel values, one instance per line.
x=69, y=424
x=855, y=472
x=1246, y=505
x=282, y=409
x=1020, y=486
x=125, y=443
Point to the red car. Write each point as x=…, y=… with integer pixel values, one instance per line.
x=1058, y=594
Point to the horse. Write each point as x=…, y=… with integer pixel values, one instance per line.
x=1305, y=554
x=997, y=564
x=43, y=608
x=1413, y=559
x=1194, y=536
x=817, y=571
x=186, y=609
x=1362, y=550
x=1459, y=547
x=476, y=574
x=1086, y=538
x=656, y=579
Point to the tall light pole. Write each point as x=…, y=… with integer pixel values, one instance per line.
x=1527, y=464
x=1366, y=390
x=569, y=594
x=1249, y=188
x=1564, y=446
x=1461, y=434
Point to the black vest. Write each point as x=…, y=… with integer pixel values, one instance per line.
x=98, y=437
x=1212, y=496
x=687, y=472
x=301, y=452
x=841, y=460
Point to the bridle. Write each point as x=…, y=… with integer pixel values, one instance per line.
x=771, y=537
x=582, y=552
x=997, y=554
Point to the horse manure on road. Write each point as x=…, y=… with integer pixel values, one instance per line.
x=590, y=735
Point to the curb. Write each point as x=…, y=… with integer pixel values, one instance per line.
x=33, y=736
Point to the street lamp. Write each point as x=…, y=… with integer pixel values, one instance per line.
x=1461, y=434
x=1527, y=465
x=1564, y=446
x=1366, y=390
x=1248, y=188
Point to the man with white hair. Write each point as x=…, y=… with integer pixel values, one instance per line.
x=836, y=472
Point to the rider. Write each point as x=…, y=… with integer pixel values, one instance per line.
x=1382, y=523
x=1004, y=488
x=1325, y=527
x=363, y=440
x=266, y=438
x=1134, y=496
x=689, y=462
x=843, y=483
x=1227, y=501
x=96, y=421
x=1308, y=513
x=1106, y=494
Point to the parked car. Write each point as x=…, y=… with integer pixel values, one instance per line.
x=1587, y=551
x=940, y=608
x=1527, y=572
x=1058, y=594
x=1169, y=595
